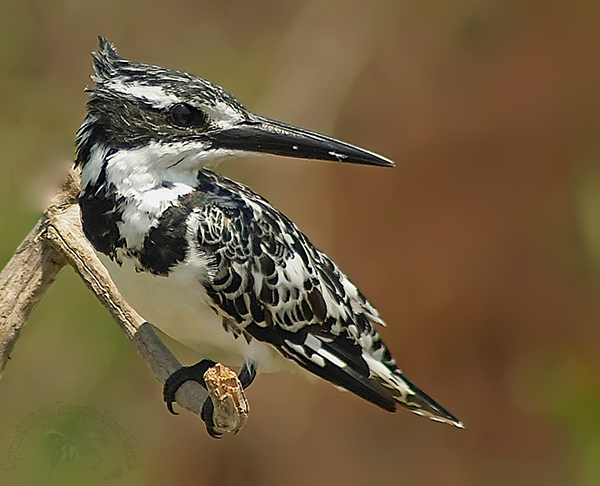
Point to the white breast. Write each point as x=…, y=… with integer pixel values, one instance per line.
x=178, y=306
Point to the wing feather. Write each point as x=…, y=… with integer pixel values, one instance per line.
x=270, y=282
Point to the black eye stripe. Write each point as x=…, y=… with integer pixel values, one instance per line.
x=184, y=115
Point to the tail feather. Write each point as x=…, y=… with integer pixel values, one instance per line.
x=417, y=401
x=344, y=376
x=368, y=377
x=408, y=395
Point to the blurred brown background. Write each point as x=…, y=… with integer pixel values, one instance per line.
x=481, y=249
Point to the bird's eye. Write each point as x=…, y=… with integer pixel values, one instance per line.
x=185, y=115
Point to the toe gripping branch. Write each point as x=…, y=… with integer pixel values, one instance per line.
x=226, y=408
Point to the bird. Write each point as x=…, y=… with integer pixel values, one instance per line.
x=207, y=260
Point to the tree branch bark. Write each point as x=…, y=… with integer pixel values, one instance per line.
x=57, y=240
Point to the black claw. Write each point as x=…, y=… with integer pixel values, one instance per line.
x=207, y=411
x=207, y=415
x=180, y=376
x=247, y=374
x=170, y=405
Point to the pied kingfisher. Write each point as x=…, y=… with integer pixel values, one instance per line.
x=207, y=260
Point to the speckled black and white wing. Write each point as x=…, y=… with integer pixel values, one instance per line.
x=270, y=283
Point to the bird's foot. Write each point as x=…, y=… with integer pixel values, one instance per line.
x=180, y=376
x=226, y=407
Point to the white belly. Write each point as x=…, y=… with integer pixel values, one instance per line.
x=178, y=306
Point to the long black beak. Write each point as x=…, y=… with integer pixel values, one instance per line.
x=259, y=134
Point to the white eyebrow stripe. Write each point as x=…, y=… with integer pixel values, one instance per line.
x=153, y=94
x=223, y=114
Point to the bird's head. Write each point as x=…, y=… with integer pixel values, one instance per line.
x=186, y=121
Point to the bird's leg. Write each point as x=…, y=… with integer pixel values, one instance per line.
x=180, y=376
x=197, y=373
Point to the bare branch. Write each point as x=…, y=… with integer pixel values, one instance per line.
x=23, y=282
x=57, y=240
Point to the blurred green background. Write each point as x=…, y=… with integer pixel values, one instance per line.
x=481, y=249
